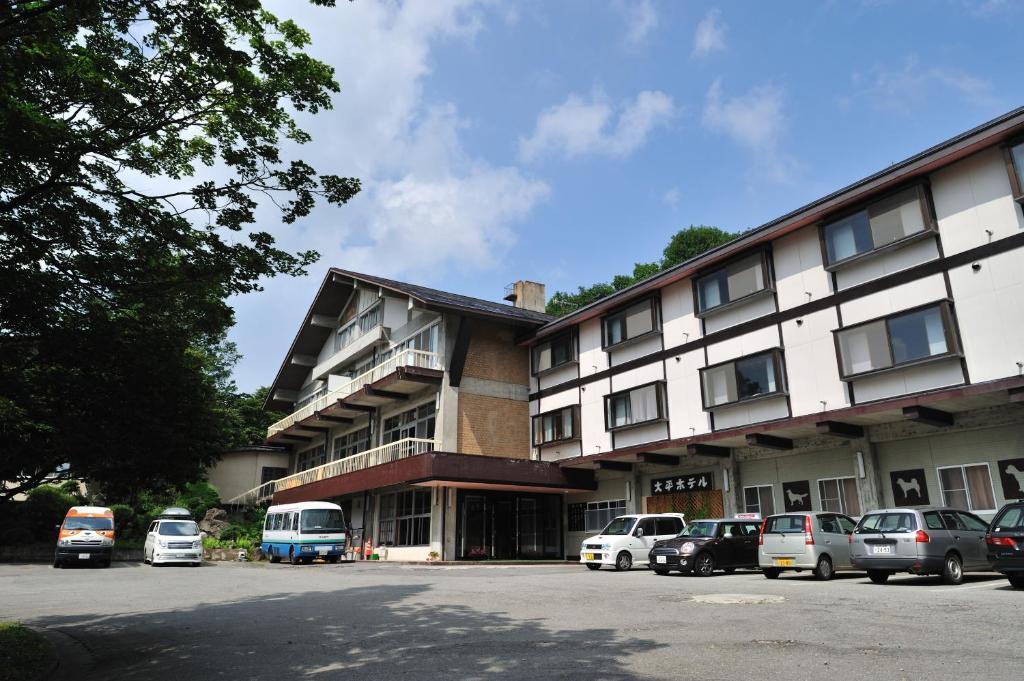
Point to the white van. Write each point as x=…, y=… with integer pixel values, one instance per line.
x=173, y=538
x=627, y=540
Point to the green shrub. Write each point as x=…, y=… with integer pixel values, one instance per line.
x=127, y=523
x=44, y=508
x=198, y=497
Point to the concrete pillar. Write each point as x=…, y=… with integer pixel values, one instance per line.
x=733, y=499
x=638, y=490
x=869, y=486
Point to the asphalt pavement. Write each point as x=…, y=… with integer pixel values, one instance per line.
x=388, y=621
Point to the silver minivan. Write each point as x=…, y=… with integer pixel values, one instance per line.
x=922, y=541
x=817, y=541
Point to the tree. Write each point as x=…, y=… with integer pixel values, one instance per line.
x=137, y=139
x=685, y=244
x=248, y=421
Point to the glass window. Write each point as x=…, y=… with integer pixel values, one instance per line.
x=887, y=522
x=669, y=525
x=179, y=528
x=735, y=281
x=839, y=495
x=743, y=379
x=601, y=513
x=932, y=521
x=555, y=426
x=785, y=524
x=405, y=518
x=896, y=340
x=649, y=527
x=701, y=528
x=1009, y=520
x=352, y=443
x=759, y=500
x=554, y=353
x=87, y=523
x=973, y=523
x=577, y=517
x=418, y=422
x=968, y=487
x=639, y=405
x=846, y=524
x=630, y=323
x=1017, y=154
x=880, y=224
x=322, y=520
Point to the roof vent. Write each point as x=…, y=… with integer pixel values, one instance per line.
x=528, y=295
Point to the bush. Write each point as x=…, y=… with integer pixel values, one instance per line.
x=198, y=497
x=44, y=508
x=127, y=522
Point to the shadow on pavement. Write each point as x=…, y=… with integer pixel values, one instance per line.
x=379, y=632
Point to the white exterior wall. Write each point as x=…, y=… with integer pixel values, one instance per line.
x=812, y=368
x=799, y=270
x=904, y=297
x=758, y=306
x=685, y=413
x=887, y=263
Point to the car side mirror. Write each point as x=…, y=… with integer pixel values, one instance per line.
x=639, y=532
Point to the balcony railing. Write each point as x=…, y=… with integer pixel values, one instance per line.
x=414, y=358
x=393, y=451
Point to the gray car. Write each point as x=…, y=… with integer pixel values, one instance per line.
x=921, y=541
x=817, y=541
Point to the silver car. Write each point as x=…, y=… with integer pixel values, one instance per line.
x=922, y=541
x=816, y=541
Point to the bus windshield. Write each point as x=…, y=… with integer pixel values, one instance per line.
x=86, y=523
x=321, y=521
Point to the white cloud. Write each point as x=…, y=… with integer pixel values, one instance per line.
x=580, y=127
x=756, y=121
x=672, y=196
x=710, y=35
x=641, y=19
x=902, y=90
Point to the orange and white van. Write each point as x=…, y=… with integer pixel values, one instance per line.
x=86, y=537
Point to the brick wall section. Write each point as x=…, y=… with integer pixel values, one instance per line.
x=493, y=354
x=493, y=426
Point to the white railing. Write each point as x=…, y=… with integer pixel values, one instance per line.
x=393, y=451
x=405, y=358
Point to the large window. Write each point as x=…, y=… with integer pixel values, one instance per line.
x=554, y=353
x=839, y=495
x=351, y=444
x=311, y=458
x=968, y=487
x=600, y=513
x=418, y=422
x=888, y=221
x=367, y=320
x=905, y=338
x=268, y=473
x=630, y=323
x=405, y=519
x=636, y=406
x=1015, y=166
x=742, y=379
x=733, y=282
x=759, y=499
x=556, y=426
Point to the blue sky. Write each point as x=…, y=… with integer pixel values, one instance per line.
x=564, y=141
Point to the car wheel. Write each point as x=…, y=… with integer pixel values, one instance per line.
x=593, y=566
x=704, y=565
x=952, y=570
x=106, y=563
x=333, y=559
x=57, y=564
x=272, y=555
x=660, y=573
x=823, y=571
x=1016, y=581
x=292, y=558
x=771, y=573
x=623, y=561
x=878, y=577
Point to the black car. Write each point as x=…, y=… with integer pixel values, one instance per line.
x=1005, y=540
x=708, y=545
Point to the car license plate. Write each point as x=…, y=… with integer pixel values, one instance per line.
x=589, y=556
x=661, y=559
x=322, y=550
x=783, y=562
x=882, y=548
x=83, y=556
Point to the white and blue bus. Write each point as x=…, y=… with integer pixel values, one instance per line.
x=304, y=531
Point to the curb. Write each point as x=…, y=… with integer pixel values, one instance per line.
x=71, y=658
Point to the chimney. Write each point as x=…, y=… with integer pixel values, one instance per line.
x=528, y=295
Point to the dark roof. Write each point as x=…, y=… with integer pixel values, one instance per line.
x=985, y=135
x=257, y=448
x=431, y=296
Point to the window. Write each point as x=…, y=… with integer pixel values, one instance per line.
x=743, y=379
x=352, y=443
x=889, y=523
x=630, y=323
x=968, y=487
x=785, y=524
x=577, y=518
x=633, y=407
x=759, y=499
x=405, y=518
x=366, y=321
x=932, y=521
x=839, y=495
x=888, y=221
x=268, y=473
x=649, y=527
x=1015, y=167
x=554, y=353
x=600, y=513
x=905, y=338
x=1009, y=520
x=733, y=282
x=320, y=521
x=668, y=526
x=311, y=458
x=418, y=423
x=556, y=426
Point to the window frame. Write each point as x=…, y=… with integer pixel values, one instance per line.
x=392, y=520
x=661, y=395
x=574, y=352
x=967, y=486
x=767, y=276
x=931, y=225
x=746, y=507
x=1015, y=174
x=654, y=301
x=953, y=346
x=615, y=507
x=534, y=420
x=843, y=508
x=782, y=388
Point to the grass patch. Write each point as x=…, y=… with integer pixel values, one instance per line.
x=24, y=654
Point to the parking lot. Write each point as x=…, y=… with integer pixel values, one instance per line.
x=388, y=621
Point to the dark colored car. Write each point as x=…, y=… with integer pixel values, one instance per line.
x=708, y=545
x=1005, y=541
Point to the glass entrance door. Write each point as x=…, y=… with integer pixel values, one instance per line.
x=508, y=526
